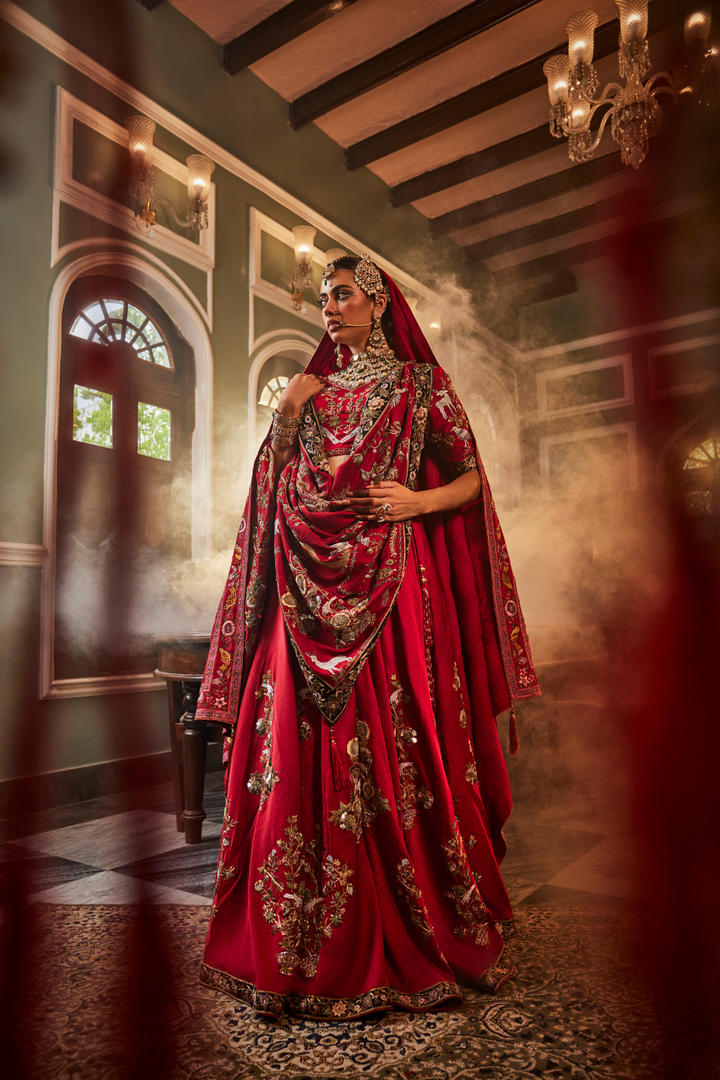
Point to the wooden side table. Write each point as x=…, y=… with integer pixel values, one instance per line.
x=181, y=662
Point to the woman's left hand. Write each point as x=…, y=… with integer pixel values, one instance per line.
x=385, y=501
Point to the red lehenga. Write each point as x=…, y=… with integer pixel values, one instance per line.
x=359, y=668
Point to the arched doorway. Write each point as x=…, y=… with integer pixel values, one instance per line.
x=693, y=474
x=125, y=421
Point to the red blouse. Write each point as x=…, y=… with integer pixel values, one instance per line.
x=448, y=429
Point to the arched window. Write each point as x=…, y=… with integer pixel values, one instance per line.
x=126, y=416
x=272, y=390
x=110, y=321
x=693, y=472
x=275, y=374
x=487, y=426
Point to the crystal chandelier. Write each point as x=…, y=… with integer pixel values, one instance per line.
x=634, y=114
x=142, y=184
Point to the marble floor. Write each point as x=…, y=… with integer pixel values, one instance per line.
x=124, y=848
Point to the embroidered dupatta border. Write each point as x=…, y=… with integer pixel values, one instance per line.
x=331, y=700
x=512, y=633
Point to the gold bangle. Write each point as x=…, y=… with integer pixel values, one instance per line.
x=285, y=429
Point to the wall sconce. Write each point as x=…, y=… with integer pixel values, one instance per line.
x=302, y=276
x=142, y=183
x=699, y=76
x=334, y=253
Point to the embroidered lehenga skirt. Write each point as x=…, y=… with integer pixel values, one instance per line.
x=359, y=866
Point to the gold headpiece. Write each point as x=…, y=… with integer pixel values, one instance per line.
x=367, y=276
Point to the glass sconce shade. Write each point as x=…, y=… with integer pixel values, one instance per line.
x=579, y=115
x=140, y=132
x=334, y=253
x=434, y=322
x=200, y=169
x=697, y=23
x=633, y=16
x=580, y=29
x=557, y=73
x=304, y=238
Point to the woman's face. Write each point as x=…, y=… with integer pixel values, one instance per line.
x=348, y=313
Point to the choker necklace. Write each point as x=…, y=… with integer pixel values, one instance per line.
x=371, y=365
x=365, y=367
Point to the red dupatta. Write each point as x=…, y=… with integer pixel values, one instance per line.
x=336, y=591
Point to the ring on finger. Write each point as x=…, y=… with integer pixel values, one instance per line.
x=385, y=508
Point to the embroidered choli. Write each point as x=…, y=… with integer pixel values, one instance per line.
x=339, y=412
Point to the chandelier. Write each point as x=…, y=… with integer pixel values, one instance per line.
x=634, y=114
x=142, y=184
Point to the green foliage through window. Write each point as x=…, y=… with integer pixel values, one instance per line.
x=92, y=417
x=154, y=431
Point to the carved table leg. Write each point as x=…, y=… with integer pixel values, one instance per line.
x=194, y=754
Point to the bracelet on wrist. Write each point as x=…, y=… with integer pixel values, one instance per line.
x=285, y=429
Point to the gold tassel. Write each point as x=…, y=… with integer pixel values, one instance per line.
x=514, y=737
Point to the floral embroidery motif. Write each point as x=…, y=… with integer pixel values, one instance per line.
x=261, y=783
x=405, y=737
x=367, y=802
x=474, y=917
x=304, y=897
x=471, y=773
x=409, y=888
x=303, y=698
x=223, y=873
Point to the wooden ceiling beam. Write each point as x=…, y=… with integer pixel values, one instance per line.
x=562, y=283
x=547, y=187
x=278, y=29
x=548, y=229
x=434, y=40
x=637, y=239
x=488, y=95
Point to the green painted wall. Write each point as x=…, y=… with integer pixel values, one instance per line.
x=166, y=57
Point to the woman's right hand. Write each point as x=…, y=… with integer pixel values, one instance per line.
x=299, y=390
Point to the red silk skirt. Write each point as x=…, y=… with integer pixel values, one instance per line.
x=358, y=866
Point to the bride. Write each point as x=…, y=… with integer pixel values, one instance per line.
x=368, y=635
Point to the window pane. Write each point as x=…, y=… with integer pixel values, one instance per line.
x=92, y=417
x=161, y=357
x=115, y=309
x=81, y=327
x=135, y=316
x=154, y=431
x=151, y=334
x=272, y=390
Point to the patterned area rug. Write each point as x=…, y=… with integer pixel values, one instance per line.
x=576, y=1011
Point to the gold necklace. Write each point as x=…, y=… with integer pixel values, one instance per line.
x=365, y=367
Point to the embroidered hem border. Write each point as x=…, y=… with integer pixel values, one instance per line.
x=331, y=1008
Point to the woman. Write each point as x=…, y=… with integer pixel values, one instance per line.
x=368, y=635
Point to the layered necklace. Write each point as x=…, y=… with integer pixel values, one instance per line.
x=375, y=363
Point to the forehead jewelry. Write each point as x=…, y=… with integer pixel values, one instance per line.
x=367, y=276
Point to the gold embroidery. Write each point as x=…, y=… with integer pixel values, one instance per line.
x=367, y=802
x=464, y=893
x=405, y=737
x=471, y=773
x=408, y=887
x=261, y=783
x=304, y=897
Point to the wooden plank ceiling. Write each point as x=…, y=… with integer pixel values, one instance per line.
x=446, y=102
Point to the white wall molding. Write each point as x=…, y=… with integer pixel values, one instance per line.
x=104, y=685
x=629, y=429
x=22, y=554
x=677, y=348
x=192, y=328
x=622, y=335
x=627, y=398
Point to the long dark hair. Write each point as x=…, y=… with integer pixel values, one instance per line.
x=350, y=262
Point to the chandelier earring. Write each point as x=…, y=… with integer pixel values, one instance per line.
x=338, y=356
x=377, y=344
